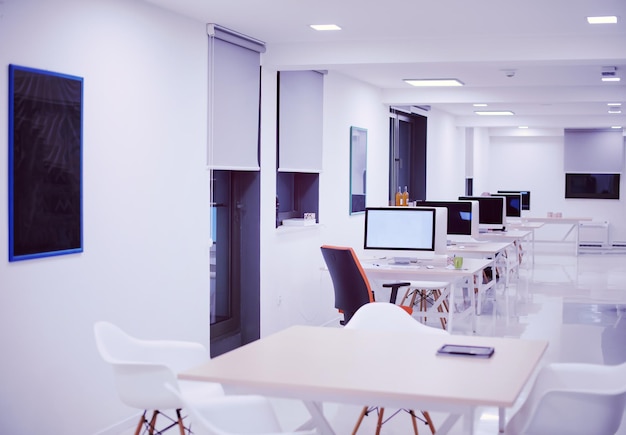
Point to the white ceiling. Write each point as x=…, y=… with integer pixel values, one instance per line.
x=556, y=56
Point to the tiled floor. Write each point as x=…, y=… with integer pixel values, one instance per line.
x=578, y=303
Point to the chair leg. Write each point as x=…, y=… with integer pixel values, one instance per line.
x=153, y=422
x=358, y=422
x=406, y=296
x=414, y=421
x=179, y=419
x=429, y=421
x=379, y=423
x=142, y=420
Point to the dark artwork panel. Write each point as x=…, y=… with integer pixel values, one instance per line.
x=45, y=163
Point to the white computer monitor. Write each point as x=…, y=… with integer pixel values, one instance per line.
x=406, y=233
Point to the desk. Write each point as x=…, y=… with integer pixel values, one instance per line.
x=488, y=250
x=526, y=226
x=321, y=364
x=514, y=262
x=379, y=270
x=571, y=222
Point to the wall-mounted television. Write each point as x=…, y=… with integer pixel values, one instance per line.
x=463, y=217
x=417, y=231
x=513, y=203
x=491, y=211
x=525, y=197
x=593, y=186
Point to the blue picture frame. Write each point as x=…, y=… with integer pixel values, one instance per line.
x=45, y=163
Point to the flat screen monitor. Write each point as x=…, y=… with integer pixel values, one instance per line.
x=400, y=228
x=593, y=186
x=463, y=216
x=513, y=203
x=525, y=197
x=491, y=211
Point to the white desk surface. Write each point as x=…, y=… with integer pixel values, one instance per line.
x=505, y=235
x=488, y=249
x=556, y=220
x=525, y=225
x=323, y=364
x=410, y=271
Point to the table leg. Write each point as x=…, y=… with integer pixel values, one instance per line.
x=447, y=424
x=319, y=421
x=501, y=420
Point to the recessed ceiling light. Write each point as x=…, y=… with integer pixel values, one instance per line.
x=523, y=126
x=494, y=112
x=323, y=27
x=614, y=104
x=610, y=19
x=434, y=82
x=616, y=126
x=611, y=79
x=480, y=105
x=615, y=111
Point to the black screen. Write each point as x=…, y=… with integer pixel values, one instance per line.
x=513, y=203
x=525, y=197
x=599, y=186
x=490, y=209
x=459, y=215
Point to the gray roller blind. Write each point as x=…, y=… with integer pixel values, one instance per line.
x=300, y=107
x=594, y=150
x=234, y=97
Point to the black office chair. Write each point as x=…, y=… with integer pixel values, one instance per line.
x=351, y=286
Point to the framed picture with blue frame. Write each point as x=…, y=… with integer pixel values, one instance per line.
x=45, y=163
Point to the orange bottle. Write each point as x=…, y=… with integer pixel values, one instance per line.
x=405, y=196
x=399, y=196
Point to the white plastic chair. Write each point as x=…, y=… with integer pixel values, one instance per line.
x=232, y=415
x=384, y=316
x=142, y=367
x=573, y=399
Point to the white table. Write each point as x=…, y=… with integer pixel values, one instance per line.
x=379, y=270
x=488, y=250
x=573, y=224
x=526, y=226
x=337, y=365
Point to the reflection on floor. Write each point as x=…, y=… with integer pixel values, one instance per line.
x=578, y=303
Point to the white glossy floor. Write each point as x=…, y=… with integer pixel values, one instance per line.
x=578, y=303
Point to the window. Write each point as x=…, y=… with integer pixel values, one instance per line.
x=407, y=159
x=299, y=148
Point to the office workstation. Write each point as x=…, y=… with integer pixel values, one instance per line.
x=149, y=188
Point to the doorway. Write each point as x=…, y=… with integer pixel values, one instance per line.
x=235, y=260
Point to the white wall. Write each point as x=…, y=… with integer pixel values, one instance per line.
x=445, y=158
x=535, y=163
x=145, y=263
x=294, y=288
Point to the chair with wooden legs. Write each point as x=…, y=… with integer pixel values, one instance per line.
x=431, y=298
x=383, y=316
x=141, y=368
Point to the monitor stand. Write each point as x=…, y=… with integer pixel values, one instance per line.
x=403, y=260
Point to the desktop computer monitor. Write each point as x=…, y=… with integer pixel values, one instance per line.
x=492, y=211
x=463, y=217
x=513, y=203
x=406, y=231
x=525, y=197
